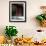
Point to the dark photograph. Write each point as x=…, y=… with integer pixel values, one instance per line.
x=17, y=11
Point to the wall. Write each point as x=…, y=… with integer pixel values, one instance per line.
x=32, y=9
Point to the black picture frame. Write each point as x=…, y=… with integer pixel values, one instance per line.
x=17, y=11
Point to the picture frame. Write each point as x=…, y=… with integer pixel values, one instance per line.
x=17, y=11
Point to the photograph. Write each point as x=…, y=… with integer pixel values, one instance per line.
x=17, y=11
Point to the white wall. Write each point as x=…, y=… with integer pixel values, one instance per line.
x=32, y=9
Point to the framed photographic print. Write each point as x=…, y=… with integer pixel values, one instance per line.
x=17, y=11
